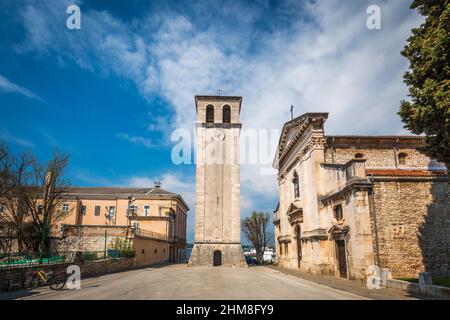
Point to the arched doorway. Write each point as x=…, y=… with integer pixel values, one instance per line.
x=299, y=244
x=217, y=260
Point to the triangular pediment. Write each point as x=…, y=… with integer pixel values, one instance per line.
x=338, y=232
x=292, y=130
x=295, y=212
x=294, y=207
x=336, y=229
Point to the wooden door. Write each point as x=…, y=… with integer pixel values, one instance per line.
x=341, y=258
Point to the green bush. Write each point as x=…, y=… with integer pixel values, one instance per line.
x=124, y=247
x=89, y=256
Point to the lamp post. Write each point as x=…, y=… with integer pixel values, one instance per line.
x=43, y=239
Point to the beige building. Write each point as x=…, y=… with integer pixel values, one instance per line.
x=350, y=202
x=217, y=189
x=95, y=216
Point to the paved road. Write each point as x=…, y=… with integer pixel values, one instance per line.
x=182, y=282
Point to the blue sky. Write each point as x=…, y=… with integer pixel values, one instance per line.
x=111, y=93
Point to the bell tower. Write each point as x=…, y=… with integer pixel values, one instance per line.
x=217, y=188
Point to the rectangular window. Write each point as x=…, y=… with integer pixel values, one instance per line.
x=83, y=210
x=131, y=210
x=97, y=210
x=65, y=208
x=111, y=212
x=146, y=211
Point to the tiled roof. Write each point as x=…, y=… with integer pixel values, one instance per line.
x=405, y=173
x=107, y=190
x=121, y=192
x=118, y=190
x=159, y=191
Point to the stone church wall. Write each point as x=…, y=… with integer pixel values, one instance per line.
x=378, y=158
x=413, y=219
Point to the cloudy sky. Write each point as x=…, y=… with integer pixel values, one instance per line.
x=111, y=93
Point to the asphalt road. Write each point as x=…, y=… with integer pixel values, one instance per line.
x=182, y=282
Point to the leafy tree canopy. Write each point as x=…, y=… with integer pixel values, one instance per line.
x=428, y=79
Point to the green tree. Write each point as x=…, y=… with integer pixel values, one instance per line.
x=428, y=79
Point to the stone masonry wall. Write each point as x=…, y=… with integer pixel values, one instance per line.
x=11, y=279
x=413, y=221
x=377, y=158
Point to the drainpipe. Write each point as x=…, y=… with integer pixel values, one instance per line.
x=395, y=153
x=375, y=224
x=332, y=151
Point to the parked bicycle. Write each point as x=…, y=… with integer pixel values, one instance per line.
x=41, y=278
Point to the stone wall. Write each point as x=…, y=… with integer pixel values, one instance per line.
x=86, y=238
x=413, y=219
x=377, y=158
x=11, y=279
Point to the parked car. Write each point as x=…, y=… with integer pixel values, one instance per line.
x=251, y=261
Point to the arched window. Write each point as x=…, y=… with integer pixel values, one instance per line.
x=210, y=113
x=338, y=212
x=359, y=156
x=402, y=158
x=296, y=185
x=226, y=114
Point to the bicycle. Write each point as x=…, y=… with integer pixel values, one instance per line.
x=42, y=278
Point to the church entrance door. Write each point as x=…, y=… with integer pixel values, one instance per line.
x=217, y=258
x=341, y=257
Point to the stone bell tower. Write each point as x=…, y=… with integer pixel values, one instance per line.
x=217, y=189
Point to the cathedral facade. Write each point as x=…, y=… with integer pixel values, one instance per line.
x=348, y=203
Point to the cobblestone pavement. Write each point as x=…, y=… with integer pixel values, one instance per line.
x=182, y=282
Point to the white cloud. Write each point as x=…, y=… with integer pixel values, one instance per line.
x=8, y=137
x=10, y=87
x=138, y=140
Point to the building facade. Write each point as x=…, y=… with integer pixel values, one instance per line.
x=350, y=202
x=217, y=190
x=95, y=216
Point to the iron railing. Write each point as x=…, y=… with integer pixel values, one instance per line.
x=36, y=259
x=150, y=234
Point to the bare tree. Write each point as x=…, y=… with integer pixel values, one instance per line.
x=256, y=230
x=11, y=210
x=31, y=196
x=41, y=189
x=6, y=176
